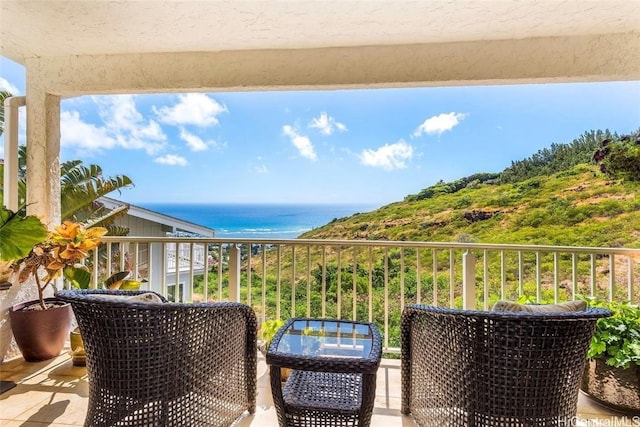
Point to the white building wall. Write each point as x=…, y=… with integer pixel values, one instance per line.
x=143, y=228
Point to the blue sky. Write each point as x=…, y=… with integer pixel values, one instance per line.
x=340, y=146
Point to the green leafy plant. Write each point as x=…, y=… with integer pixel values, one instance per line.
x=81, y=278
x=60, y=254
x=267, y=331
x=121, y=281
x=18, y=235
x=617, y=338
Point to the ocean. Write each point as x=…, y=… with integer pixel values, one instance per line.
x=258, y=221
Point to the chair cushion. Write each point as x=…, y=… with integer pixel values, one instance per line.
x=148, y=297
x=543, y=308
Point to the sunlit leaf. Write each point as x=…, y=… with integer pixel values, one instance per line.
x=130, y=285
x=19, y=234
x=78, y=277
x=115, y=278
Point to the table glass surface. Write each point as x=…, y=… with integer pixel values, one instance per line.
x=326, y=338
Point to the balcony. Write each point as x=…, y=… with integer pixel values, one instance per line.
x=366, y=280
x=362, y=280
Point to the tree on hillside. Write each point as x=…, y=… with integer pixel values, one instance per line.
x=442, y=187
x=557, y=157
x=547, y=161
x=619, y=158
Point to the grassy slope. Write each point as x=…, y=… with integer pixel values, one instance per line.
x=577, y=207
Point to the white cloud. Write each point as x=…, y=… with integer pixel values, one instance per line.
x=439, y=124
x=389, y=156
x=171, y=160
x=327, y=124
x=194, y=142
x=261, y=169
x=84, y=136
x=196, y=109
x=301, y=142
x=125, y=125
x=6, y=85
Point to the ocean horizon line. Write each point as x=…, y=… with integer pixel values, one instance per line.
x=368, y=204
x=257, y=220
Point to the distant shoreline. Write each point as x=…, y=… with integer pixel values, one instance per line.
x=259, y=220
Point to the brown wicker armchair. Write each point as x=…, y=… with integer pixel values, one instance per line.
x=165, y=364
x=472, y=368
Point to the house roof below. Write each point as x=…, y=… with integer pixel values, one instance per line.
x=177, y=224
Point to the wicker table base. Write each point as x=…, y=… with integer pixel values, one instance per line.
x=335, y=384
x=321, y=395
x=321, y=399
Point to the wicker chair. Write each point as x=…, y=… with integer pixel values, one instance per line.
x=508, y=369
x=165, y=364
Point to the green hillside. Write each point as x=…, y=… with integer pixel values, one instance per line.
x=556, y=197
x=578, y=206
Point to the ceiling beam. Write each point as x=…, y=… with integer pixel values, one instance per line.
x=610, y=57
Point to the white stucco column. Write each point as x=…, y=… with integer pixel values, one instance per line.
x=43, y=154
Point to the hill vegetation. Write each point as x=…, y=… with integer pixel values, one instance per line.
x=558, y=196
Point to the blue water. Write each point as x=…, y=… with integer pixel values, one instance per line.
x=258, y=221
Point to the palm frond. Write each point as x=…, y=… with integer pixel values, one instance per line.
x=82, y=194
x=117, y=230
x=22, y=162
x=80, y=188
x=79, y=174
x=67, y=167
x=109, y=217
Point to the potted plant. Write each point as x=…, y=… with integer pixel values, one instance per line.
x=18, y=234
x=41, y=327
x=266, y=333
x=612, y=374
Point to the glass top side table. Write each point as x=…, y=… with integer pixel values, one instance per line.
x=334, y=365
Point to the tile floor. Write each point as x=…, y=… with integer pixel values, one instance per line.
x=54, y=393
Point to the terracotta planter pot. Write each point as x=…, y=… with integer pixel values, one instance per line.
x=40, y=334
x=614, y=387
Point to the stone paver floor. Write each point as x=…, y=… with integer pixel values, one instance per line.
x=54, y=393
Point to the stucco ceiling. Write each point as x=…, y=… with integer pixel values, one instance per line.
x=63, y=28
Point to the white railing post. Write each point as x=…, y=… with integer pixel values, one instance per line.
x=158, y=259
x=468, y=281
x=234, y=273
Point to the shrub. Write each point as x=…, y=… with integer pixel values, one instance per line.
x=617, y=338
x=619, y=158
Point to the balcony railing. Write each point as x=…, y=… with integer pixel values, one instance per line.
x=367, y=280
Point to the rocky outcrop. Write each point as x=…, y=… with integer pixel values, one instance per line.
x=478, y=215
